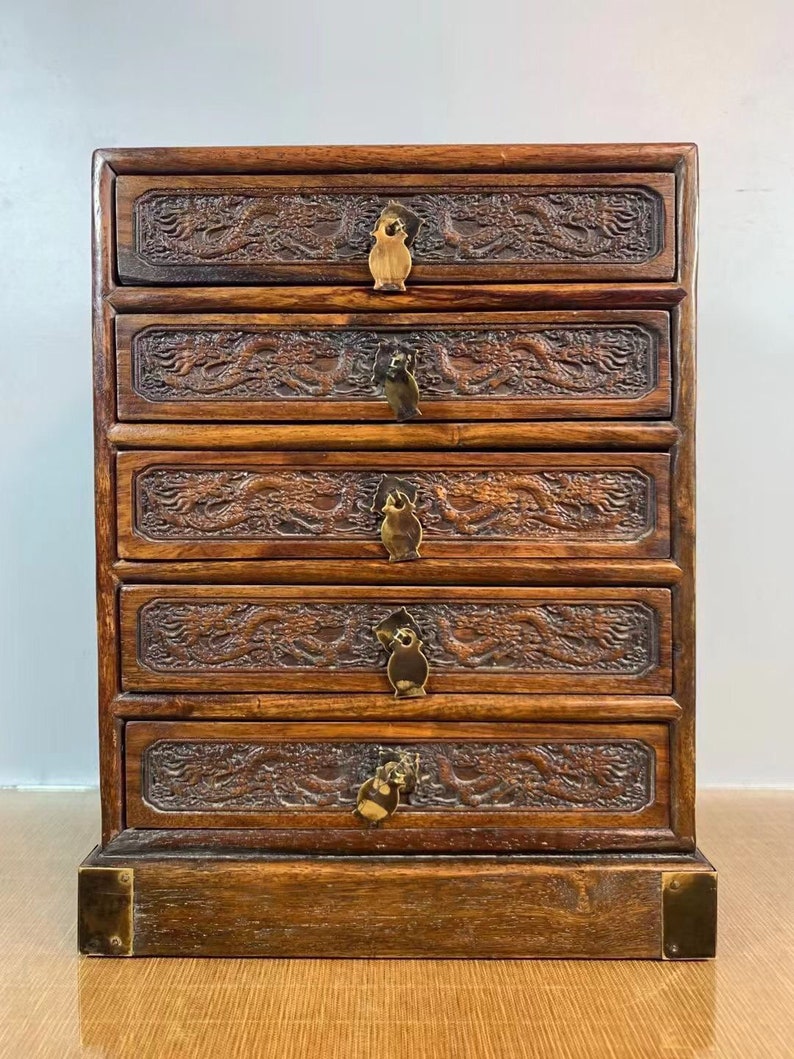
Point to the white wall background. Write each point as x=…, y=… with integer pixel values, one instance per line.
x=87, y=73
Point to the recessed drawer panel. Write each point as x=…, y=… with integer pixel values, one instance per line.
x=242, y=229
x=178, y=505
x=466, y=366
x=218, y=638
x=517, y=777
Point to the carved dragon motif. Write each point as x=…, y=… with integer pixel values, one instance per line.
x=249, y=227
x=243, y=636
x=203, y=363
x=587, y=224
x=569, y=505
x=183, y=226
x=208, y=776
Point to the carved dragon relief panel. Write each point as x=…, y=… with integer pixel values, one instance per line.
x=246, y=226
x=185, y=636
x=209, y=776
x=250, y=364
x=173, y=503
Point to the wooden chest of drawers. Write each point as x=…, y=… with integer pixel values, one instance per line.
x=395, y=545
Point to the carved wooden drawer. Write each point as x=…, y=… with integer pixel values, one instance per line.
x=178, y=505
x=218, y=638
x=309, y=228
x=538, y=365
x=520, y=783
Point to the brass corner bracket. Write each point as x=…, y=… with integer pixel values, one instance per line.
x=104, y=911
x=689, y=915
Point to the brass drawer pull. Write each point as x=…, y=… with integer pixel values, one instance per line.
x=379, y=796
x=390, y=257
x=408, y=668
x=401, y=530
x=395, y=372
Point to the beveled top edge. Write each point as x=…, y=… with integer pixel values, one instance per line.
x=439, y=297
x=392, y=158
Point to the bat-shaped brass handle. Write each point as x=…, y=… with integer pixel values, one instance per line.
x=390, y=257
x=395, y=373
x=401, y=390
x=401, y=530
x=408, y=668
x=379, y=796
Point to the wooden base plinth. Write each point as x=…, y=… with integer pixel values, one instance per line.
x=630, y=906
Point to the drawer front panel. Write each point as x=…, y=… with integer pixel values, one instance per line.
x=227, y=229
x=194, y=774
x=176, y=505
x=177, y=638
x=467, y=366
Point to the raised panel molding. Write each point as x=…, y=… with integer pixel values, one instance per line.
x=576, y=362
x=223, y=776
x=592, y=225
x=198, y=504
x=180, y=636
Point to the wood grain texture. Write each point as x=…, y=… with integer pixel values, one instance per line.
x=599, y=434
x=383, y=158
x=683, y=499
x=470, y=366
x=513, y=572
x=437, y=707
x=439, y=297
x=593, y=911
x=212, y=842
x=183, y=638
x=274, y=229
x=174, y=505
x=443, y=1009
x=103, y=252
